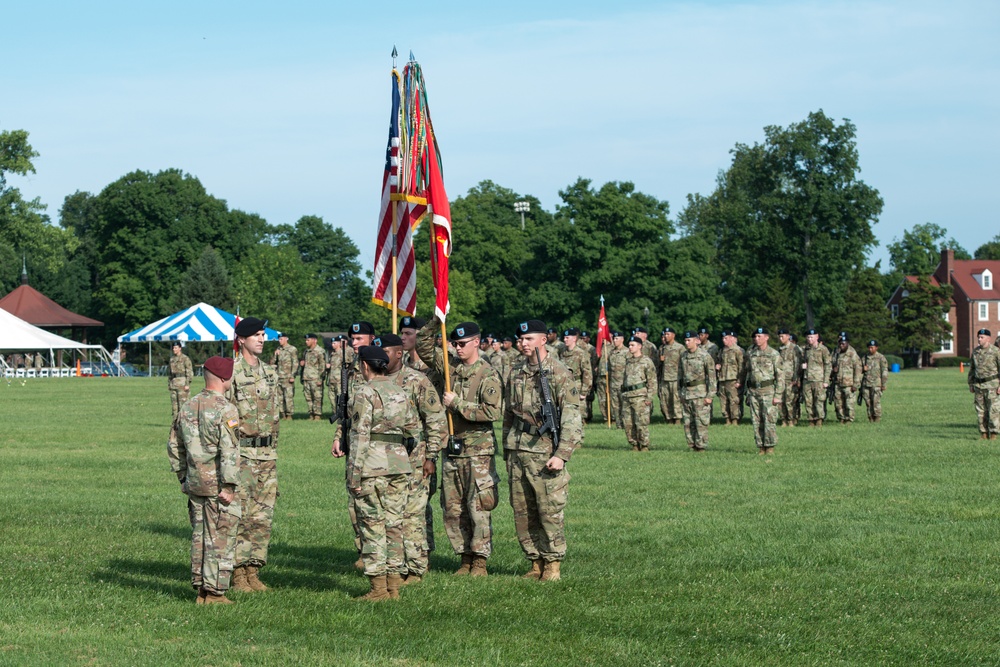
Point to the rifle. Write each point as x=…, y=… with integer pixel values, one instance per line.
x=549, y=423
x=342, y=398
x=831, y=389
x=864, y=366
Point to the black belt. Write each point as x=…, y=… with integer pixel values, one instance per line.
x=633, y=387
x=989, y=379
x=525, y=427
x=762, y=385
x=256, y=441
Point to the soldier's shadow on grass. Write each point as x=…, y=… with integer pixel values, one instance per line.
x=179, y=532
x=168, y=578
x=316, y=568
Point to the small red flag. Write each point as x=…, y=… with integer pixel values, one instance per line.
x=437, y=201
x=603, y=334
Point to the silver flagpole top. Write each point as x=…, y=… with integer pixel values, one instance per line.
x=395, y=54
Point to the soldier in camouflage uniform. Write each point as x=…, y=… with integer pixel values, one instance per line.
x=764, y=379
x=648, y=348
x=408, y=328
x=707, y=345
x=313, y=364
x=696, y=375
x=469, y=488
x=984, y=383
x=340, y=353
x=254, y=392
x=638, y=389
x=816, y=369
x=591, y=350
x=181, y=373
x=791, y=366
x=671, y=404
x=205, y=456
x=847, y=376
x=539, y=481
x=382, y=421
x=577, y=360
x=286, y=361
x=875, y=375
x=611, y=370
x=433, y=436
x=730, y=368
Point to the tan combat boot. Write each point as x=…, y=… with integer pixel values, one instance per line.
x=551, y=572
x=536, y=570
x=214, y=598
x=239, y=581
x=466, y=566
x=378, y=591
x=412, y=579
x=769, y=450
x=252, y=580
x=392, y=583
x=359, y=564
x=478, y=568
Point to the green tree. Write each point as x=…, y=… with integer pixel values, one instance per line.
x=274, y=284
x=206, y=281
x=919, y=251
x=920, y=325
x=865, y=315
x=990, y=249
x=774, y=307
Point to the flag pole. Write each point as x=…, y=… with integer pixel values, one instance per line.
x=607, y=376
x=395, y=276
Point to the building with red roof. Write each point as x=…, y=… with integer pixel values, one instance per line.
x=30, y=305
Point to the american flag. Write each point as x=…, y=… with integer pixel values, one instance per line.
x=402, y=245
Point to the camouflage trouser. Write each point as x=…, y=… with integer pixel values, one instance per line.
x=815, y=401
x=671, y=403
x=538, y=497
x=603, y=398
x=379, y=506
x=286, y=396
x=589, y=408
x=313, y=391
x=843, y=403
x=468, y=496
x=764, y=413
x=987, y=407
x=697, y=417
x=789, y=408
x=729, y=397
x=177, y=397
x=635, y=420
x=213, y=542
x=257, y=493
x=873, y=401
x=415, y=522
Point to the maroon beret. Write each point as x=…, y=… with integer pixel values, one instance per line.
x=221, y=367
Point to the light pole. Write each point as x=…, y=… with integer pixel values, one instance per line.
x=522, y=207
x=645, y=314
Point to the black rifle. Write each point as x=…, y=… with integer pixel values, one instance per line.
x=864, y=366
x=342, y=413
x=831, y=389
x=550, y=424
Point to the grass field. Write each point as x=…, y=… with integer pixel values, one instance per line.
x=874, y=544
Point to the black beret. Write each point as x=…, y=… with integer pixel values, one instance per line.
x=571, y=332
x=635, y=339
x=508, y=339
x=843, y=336
x=783, y=330
x=667, y=330
x=311, y=335
x=338, y=337
x=812, y=332
x=249, y=326
x=873, y=343
x=793, y=337
x=726, y=332
x=617, y=334
x=690, y=334
x=177, y=343
x=704, y=330
x=531, y=326
x=639, y=330
x=412, y=322
x=464, y=330
x=983, y=332
x=584, y=334
x=761, y=330
x=374, y=355
x=282, y=334
x=389, y=340
x=363, y=328
x=552, y=330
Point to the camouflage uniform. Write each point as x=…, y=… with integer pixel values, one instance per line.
x=616, y=370
x=434, y=430
x=203, y=452
x=181, y=373
x=817, y=371
x=355, y=381
x=336, y=360
x=469, y=484
x=286, y=361
x=577, y=361
x=415, y=362
x=638, y=389
x=847, y=371
x=538, y=496
x=764, y=379
x=312, y=380
x=651, y=351
x=382, y=418
x=875, y=375
x=696, y=376
x=984, y=371
x=791, y=367
x=731, y=360
x=591, y=351
x=670, y=394
x=254, y=393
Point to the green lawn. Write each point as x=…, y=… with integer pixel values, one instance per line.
x=874, y=544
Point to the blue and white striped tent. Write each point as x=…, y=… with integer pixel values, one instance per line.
x=200, y=322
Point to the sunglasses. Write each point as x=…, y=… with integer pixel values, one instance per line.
x=463, y=343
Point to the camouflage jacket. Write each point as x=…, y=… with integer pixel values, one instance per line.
x=411, y=360
x=336, y=361
x=697, y=374
x=984, y=367
x=817, y=363
x=203, y=448
x=255, y=395
x=651, y=351
x=791, y=362
x=355, y=380
x=577, y=361
x=523, y=409
x=874, y=370
x=731, y=360
x=616, y=363
x=848, y=368
x=763, y=371
x=424, y=398
x=286, y=362
x=639, y=378
x=501, y=363
x=315, y=364
x=670, y=361
x=181, y=371
x=713, y=351
x=381, y=417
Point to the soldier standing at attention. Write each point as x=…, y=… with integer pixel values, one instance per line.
x=340, y=348
x=707, y=345
x=286, y=361
x=875, y=375
x=671, y=404
x=816, y=369
x=696, y=376
x=578, y=362
x=181, y=373
x=648, y=348
x=469, y=488
x=637, y=391
x=791, y=366
x=313, y=365
x=984, y=383
x=591, y=351
x=254, y=392
x=552, y=343
x=382, y=419
x=847, y=372
x=408, y=328
x=764, y=380
x=539, y=481
x=205, y=455
x=730, y=367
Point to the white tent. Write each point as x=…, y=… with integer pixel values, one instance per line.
x=201, y=322
x=16, y=335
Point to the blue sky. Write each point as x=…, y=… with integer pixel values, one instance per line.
x=281, y=108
